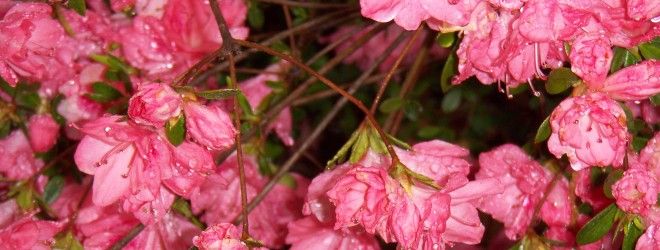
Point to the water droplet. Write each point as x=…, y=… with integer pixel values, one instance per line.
x=576, y=121
x=107, y=129
x=154, y=211
x=124, y=175
x=436, y=246
x=599, y=140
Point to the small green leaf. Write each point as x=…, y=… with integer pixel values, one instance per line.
x=78, y=6
x=218, y=93
x=429, y=132
x=446, y=40
x=4, y=85
x=622, y=58
x=256, y=16
x=5, y=128
x=632, y=234
x=451, y=101
x=650, y=50
x=544, y=131
x=422, y=178
x=25, y=198
x=448, y=71
x=613, y=177
x=360, y=147
x=182, y=207
x=176, y=132
x=567, y=48
x=411, y=110
x=67, y=242
x=115, y=63
x=275, y=84
x=375, y=142
x=340, y=156
x=53, y=110
x=245, y=105
x=655, y=100
x=638, y=143
x=397, y=142
x=103, y=92
x=392, y=104
x=598, y=226
x=29, y=100
x=53, y=188
x=287, y=180
x=560, y=79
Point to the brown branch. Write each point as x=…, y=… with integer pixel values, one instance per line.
x=121, y=243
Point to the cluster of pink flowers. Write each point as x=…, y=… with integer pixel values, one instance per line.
x=100, y=87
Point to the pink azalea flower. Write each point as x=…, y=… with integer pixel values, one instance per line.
x=43, y=132
x=591, y=130
x=589, y=193
x=645, y=110
x=220, y=198
x=223, y=236
x=636, y=191
x=525, y=182
x=650, y=239
x=255, y=90
x=30, y=233
x=210, y=126
x=171, y=232
x=8, y=212
x=591, y=56
x=17, y=157
x=30, y=38
x=641, y=10
x=310, y=234
x=650, y=156
x=154, y=104
x=633, y=83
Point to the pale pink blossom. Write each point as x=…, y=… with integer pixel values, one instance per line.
x=255, y=90
x=591, y=56
x=9, y=212
x=641, y=10
x=591, y=130
x=650, y=239
x=525, y=183
x=210, y=126
x=650, y=156
x=636, y=191
x=43, y=131
x=633, y=83
x=310, y=234
x=154, y=104
x=29, y=232
x=171, y=232
x=18, y=159
x=223, y=236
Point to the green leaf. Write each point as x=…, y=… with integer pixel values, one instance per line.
x=53, y=110
x=360, y=147
x=176, y=133
x=638, y=143
x=655, y=100
x=245, y=105
x=411, y=110
x=275, y=84
x=567, y=48
x=5, y=128
x=446, y=40
x=218, y=93
x=78, y=6
x=103, y=92
x=613, y=177
x=560, y=79
x=182, y=207
x=375, y=142
x=256, y=16
x=67, y=242
x=115, y=63
x=53, y=188
x=448, y=71
x=392, y=104
x=544, y=131
x=25, y=198
x=598, y=226
x=622, y=58
x=340, y=156
x=451, y=101
x=287, y=180
x=632, y=234
x=29, y=100
x=650, y=50
x=4, y=85
x=397, y=142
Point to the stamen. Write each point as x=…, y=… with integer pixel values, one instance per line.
x=536, y=93
x=537, y=64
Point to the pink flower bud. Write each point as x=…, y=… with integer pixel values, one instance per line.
x=633, y=83
x=636, y=191
x=591, y=130
x=650, y=239
x=154, y=104
x=591, y=56
x=43, y=132
x=209, y=125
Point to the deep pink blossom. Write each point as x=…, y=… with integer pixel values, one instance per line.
x=588, y=192
x=18, y=160
x=636, y=191
x=633, y=83
x=210, y=126
x=154, y=104
x=219, y=197
x=43, y=132
x=591, y=56
x=591, y=130
x=30, y=233
x=650, y=156
x=641, y=10
x=525, y=182
x=171, y=232
x=223, y=236
x=310, y=234
x=256, y=89
x=645, y=110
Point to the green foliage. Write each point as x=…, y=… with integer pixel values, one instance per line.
x=560, y=79
x=598, y=226
x=77, y=5
x=175, y=129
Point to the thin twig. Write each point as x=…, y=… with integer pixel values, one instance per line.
x=321, y=126
x=121, y=243
x=398, y=61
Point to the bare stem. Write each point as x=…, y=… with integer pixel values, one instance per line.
x=128, y=237
x=398, y=61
